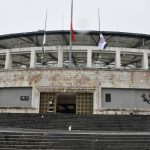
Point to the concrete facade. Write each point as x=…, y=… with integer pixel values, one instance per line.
x=75, y=80
x=87, y=79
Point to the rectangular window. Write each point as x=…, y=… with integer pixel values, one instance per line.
x=24, y=98
x=107, y=97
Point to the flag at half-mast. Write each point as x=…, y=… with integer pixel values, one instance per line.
x=44, y=37
x=102, y=42
x=71, y=23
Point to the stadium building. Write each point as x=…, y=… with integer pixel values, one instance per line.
x=114, y=80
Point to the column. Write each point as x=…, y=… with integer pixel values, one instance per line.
x=117, y=59
x=60, y=57
x=35, y=99
x=89, y=58
x=33, y=59
x=145, y=61
x=8, y=60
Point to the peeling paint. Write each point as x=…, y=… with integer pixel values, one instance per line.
x=35, y=79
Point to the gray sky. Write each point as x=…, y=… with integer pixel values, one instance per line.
x=116, y=15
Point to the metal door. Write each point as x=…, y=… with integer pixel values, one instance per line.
x=48, y=102
x=84, y=103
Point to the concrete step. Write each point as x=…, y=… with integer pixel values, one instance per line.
x=78, y=122
x=15, y=140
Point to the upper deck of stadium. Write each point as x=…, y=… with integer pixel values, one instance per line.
x=82, y=38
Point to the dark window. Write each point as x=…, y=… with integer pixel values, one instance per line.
x=24, y=98
x=107, y=97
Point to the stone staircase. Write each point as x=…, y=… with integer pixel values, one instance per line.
x=78, y=122
x=72, y=141
x=89, y=132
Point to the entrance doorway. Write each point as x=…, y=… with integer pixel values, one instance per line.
x=66, y=103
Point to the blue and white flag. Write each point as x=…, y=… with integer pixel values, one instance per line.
x=102, y=42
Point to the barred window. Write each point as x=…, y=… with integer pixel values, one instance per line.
x=108, y=97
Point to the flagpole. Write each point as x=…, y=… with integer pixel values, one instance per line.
x=99, y=25
x=70, y=52
x=44, y=41
x=99, y=34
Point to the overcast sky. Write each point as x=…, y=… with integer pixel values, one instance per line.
x=116, y=15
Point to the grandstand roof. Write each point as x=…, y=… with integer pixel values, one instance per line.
x=83, y=38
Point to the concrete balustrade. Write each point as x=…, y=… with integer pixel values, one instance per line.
x=89, y=50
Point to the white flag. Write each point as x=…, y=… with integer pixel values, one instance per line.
x=102, y=42
x=44, y=39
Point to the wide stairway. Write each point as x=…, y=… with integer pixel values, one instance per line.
x=78, y=122
x=87, y=132
x=72, y=141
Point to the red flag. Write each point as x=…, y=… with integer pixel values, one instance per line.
x=72, y=33
x=71, y=24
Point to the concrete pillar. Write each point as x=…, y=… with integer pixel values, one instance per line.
x=89, y=58
x=60, y=57
x=145, y=61
x=35, y=99
x=95, y=103
x=33, y=59
x=8, y=61
x=117, y=59
x=97, y=100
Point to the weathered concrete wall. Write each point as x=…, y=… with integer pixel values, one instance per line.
x=126, y=99
x=10, y=97
x=17, y=110
x=74, y=80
